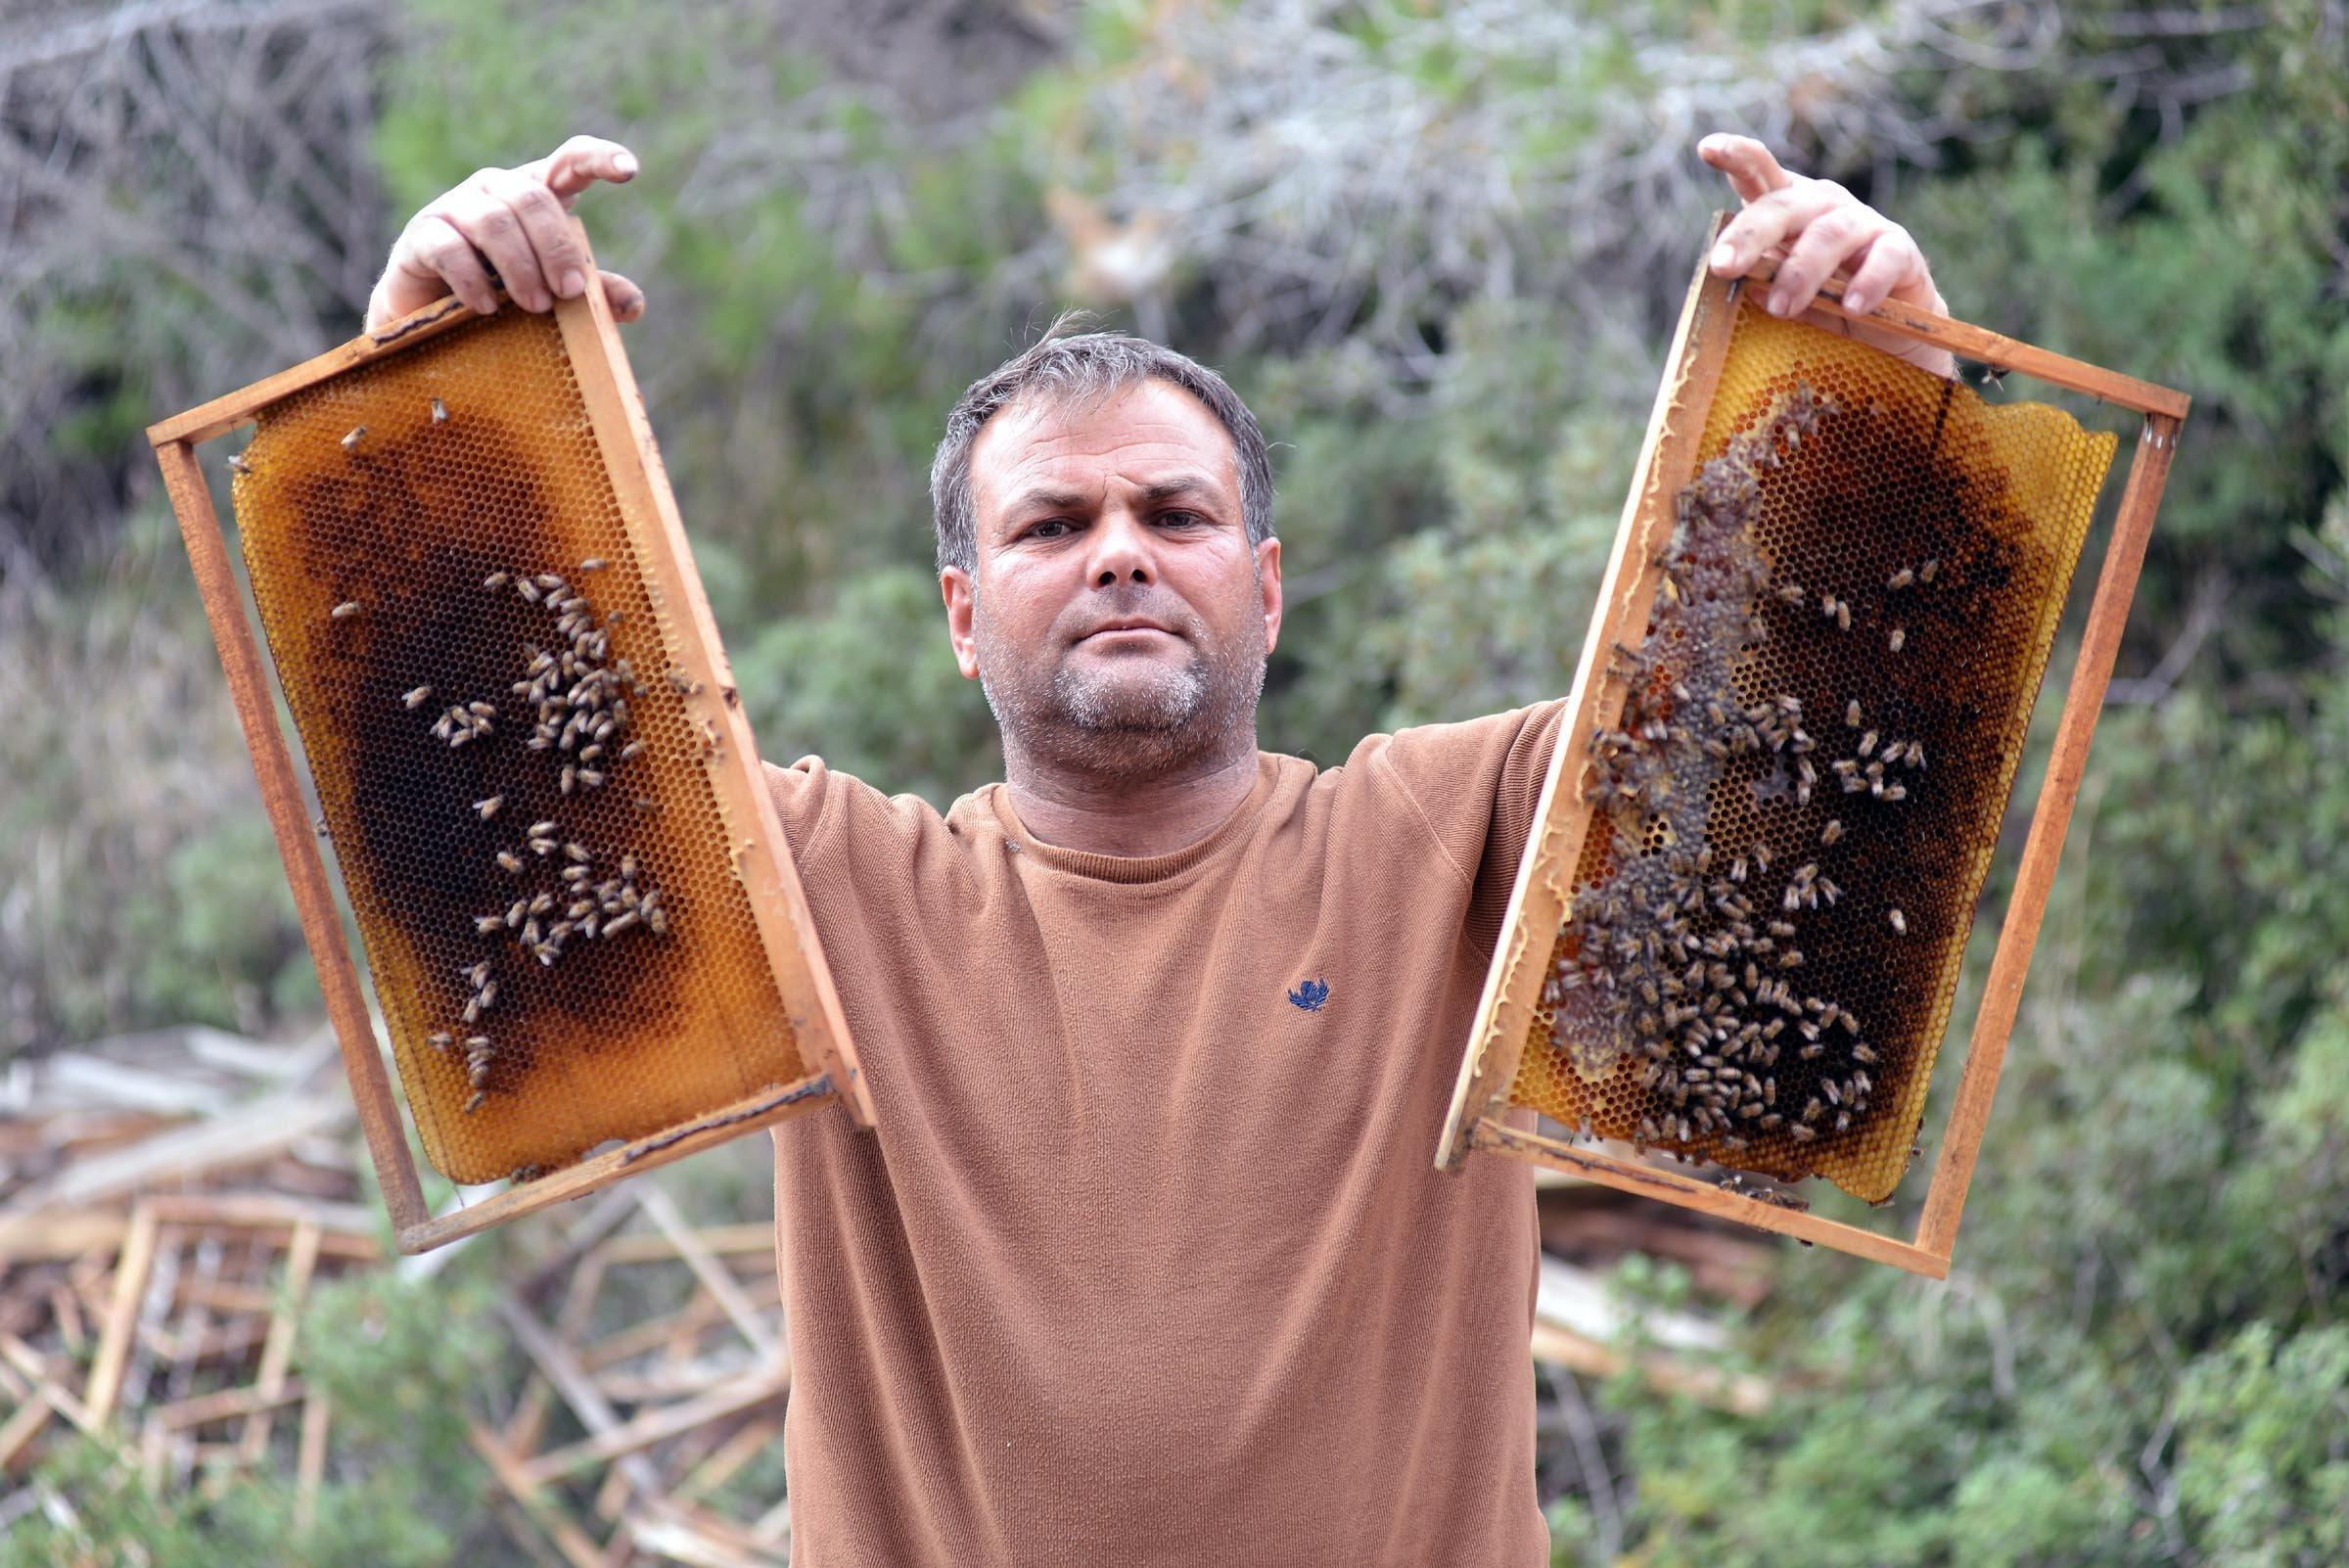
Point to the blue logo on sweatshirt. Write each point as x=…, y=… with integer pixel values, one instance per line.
x=1311, y=996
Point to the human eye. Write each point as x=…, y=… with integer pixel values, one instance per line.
x=1180, y=518
x=1051, y=528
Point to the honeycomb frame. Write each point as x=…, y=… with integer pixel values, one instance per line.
x=1605, y=863
x=427, y=511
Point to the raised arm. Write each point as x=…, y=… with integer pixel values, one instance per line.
x=1817, y=228
x=512, y=220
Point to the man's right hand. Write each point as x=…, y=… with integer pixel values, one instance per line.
x=512, y=220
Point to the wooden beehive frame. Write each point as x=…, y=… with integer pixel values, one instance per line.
x=1480, y=1104
x=625, y=438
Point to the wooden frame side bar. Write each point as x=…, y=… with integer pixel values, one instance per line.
x=1539, y=898
x=1631, y=1176
x=2051, y=820
x=281, y=797
x=615, y=410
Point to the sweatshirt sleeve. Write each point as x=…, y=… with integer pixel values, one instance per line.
x=1475, y=785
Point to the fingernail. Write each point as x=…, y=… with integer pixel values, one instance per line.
x=1723, y=253
x=626, y=162
x=572, y=284
x=1776, y=305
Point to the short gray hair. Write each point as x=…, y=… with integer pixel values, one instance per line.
x=1066, y=366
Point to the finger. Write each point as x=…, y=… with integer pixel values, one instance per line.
x=1753, y=170
x=1770, y=222
x=561, y=261
x=495, y=230
x=1818, y=251
x=624, y=297
x=1890, y=260
x=579, y=162
x=431, y=259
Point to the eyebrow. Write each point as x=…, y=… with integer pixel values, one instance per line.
x=1045, y=498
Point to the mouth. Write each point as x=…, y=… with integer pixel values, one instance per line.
x=1125, y=629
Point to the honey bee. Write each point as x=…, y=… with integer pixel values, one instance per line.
x=350, y=442
x=440, y=412
x=1868, y=744
x=578, y=851
x=549, y=582
x=345, y=610
x=544, y=830
x=1843, y=615
x=488, y=809
x=1791, y=592
x=485, y=924
x=238, y=464
x=1898, y=637
x=415, y=698
x=631, y=749
x=1826, y=605
x=439, y=1040
x=569, y=776
x=594, y=563
x=1899, y=922
x=1924, y=574
x=475, y=1104
x=1901, y=579
x=1831, y=832
x=1851, y=713
x=1864, y=1052
x=591, y=778
x=527, y=589
x=496, y=581
x=657, y=919
x=1896, y=792
x=509, y=860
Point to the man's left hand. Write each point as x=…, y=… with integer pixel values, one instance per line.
x=1816, y=228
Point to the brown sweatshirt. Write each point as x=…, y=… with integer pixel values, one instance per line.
x=1147, y=1262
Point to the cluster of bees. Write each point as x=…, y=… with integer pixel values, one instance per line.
x=579, y=695
x=1684, y=957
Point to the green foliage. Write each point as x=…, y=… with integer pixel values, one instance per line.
x=404, y=1489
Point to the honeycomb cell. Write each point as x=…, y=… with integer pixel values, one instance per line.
x=518, y=797
x=1820, y=727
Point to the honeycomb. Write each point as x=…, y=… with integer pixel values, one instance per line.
x=519, y=799
x=1792, y=820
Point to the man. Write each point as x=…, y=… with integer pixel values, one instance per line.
x=1147, y=1262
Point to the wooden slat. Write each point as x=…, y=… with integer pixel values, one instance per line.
x=641, y=1431
x=2003, y=992
x=278, y=1353
x=541, y=1511
x=122, y=1313
x=296, y=844
x=1629, y=1175
x=713, y=1275
x=649, y=511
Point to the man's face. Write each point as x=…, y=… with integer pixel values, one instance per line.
x=1120, y=621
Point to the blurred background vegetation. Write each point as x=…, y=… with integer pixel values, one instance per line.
x=1439, y=248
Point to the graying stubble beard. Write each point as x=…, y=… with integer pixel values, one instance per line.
x=1177, y=720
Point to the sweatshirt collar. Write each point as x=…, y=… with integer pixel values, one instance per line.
x=1139, y=867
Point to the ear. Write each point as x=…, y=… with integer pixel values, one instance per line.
x=1267, y=568
x=961, y=596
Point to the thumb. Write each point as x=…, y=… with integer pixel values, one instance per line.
x=624, y=297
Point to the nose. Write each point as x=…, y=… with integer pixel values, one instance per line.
x=1121, y=551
